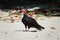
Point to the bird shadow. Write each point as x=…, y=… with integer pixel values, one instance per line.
x=25, y=31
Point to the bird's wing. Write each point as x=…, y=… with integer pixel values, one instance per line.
x=31, y=21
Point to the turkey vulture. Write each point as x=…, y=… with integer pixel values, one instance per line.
x=30, y=22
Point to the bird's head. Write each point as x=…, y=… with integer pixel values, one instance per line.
x=23, y=11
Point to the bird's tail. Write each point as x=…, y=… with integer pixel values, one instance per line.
x=40, y=27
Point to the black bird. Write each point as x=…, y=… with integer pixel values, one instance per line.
x=30, y=22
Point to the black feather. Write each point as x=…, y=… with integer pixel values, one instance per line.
x=30, y=22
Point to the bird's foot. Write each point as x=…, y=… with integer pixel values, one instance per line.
x=26, y=30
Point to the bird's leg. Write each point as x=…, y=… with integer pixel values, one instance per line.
x=26, y=28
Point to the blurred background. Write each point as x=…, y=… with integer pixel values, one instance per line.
x=29, y=3
x=51, y=5
x=39, y=7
